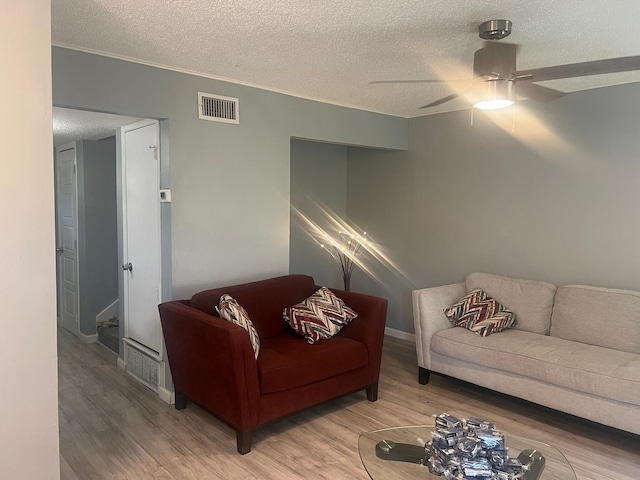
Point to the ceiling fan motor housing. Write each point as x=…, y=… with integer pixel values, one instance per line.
x=495, y=60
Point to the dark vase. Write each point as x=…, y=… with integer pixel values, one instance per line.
x=346, y=278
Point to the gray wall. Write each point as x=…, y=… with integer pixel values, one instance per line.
x=230, y=183
x=97, y=229
x=556, y=200
x=318, y=193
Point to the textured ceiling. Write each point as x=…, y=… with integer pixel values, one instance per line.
x=73, y=125
x=331, y=49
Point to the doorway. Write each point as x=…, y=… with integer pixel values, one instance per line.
x=87, y=248
x=89, y=214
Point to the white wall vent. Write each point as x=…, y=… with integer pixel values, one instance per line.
x=141, y=364
x=218, y=108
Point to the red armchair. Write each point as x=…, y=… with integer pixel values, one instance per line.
x=212, y=362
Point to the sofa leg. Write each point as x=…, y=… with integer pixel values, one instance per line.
x=372, y=392
x=180, y=400
x=423, y=375
x=243, y=440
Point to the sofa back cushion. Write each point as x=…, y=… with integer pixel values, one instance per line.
x=604, y=317
x=530, y=300
x=263, y=300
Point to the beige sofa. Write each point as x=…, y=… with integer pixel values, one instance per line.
x=574, y=348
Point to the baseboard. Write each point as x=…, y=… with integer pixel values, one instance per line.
x=93, y=338
x=121, y=365
x=167, y=395
x=392, y=332
x=109, y=312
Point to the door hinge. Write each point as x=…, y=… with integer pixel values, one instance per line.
x=74, y=168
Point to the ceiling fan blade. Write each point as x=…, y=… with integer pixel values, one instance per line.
x=583, y=69
x=417, y=81
x=538, y=92
x=441, y=101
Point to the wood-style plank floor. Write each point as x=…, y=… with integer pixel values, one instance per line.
x=111, y=427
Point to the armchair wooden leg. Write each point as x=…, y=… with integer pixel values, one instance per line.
x=180, y=400
x=243, y=440
x=372, y=392
x=423, y=375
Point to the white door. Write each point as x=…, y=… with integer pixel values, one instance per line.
x=139, y=143
x=67, y=242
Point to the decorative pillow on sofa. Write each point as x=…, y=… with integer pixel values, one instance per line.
x=320, y=316
x=229, y=309
x=480, y=313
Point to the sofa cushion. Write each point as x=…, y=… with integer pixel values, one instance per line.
x=263, y=300
x=289, y=361
x=320, y=316
x=530, y=300
x=598, y=316
x=589, y=369
x=480, y=313
x=233, y=312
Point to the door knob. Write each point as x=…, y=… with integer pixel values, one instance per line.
x=59, y=250
x=127, y=266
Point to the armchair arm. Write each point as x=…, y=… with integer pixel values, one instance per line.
x=429, y=317
x=368, y=327
x=212, y=363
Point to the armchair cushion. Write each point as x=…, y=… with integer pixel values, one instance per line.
x=320, y=316
x=288, y=361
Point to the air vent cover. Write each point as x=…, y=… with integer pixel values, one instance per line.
x=141, y=366
x=218, y=108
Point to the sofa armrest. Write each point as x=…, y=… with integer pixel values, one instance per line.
x=368, y=327
x=212, y=363
x=429, y=317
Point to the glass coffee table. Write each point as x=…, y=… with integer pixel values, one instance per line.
x=556, y=465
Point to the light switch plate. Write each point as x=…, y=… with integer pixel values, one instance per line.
x=165, y=195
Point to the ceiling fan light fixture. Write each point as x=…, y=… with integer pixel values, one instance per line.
x=493, y=104
x=494, y=94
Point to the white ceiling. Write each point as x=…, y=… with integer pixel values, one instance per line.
x=331, y=49
x=73, y=125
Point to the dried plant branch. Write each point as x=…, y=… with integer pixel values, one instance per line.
x=344, y=251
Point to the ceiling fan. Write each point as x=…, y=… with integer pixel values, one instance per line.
x=495, y=75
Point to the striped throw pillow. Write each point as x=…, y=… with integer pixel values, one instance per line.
x=480, y=313
x=320, y=316
x=229, y=309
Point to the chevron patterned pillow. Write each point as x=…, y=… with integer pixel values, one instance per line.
x=320, y=316
x=480, y=313
x=229, y=309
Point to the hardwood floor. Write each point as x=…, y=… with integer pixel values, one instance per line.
x=112, y=427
